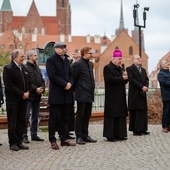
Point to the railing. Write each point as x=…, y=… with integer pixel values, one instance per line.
x=98, y=104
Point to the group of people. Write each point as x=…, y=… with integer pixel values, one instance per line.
x=116, y=109
x=74, y=81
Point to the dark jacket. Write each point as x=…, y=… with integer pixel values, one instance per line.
x=16, y=82
x=164, y=81
x=36, y=80
x=136, y=98
x=115, y=92
x=59, y=73
x=83, y=80
x=1, y=94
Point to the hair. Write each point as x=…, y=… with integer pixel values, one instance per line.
x=30, y=53
x=15, y=53
x=85, y=50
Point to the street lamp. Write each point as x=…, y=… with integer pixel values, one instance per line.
x=136, y=6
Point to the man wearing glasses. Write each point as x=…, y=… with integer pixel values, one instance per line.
x=84, y=94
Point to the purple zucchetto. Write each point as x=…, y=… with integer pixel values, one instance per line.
x=117, y=53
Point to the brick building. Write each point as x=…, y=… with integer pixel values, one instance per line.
x=33, y=31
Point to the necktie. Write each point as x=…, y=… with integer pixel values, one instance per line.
x=139, y=68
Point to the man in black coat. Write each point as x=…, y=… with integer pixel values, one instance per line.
x=137, y=101
x=84, y=94
x=60, y=95
x=115, y=110
x=17, y=87
x=1, y=96
x=38, y=87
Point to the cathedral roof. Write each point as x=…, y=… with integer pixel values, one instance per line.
x=6, y=6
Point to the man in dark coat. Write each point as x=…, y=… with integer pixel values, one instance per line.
x=17, y=90
x=38, y=87
x=60, y=95
x=115, y=110
x=164, y=81
x=1, y=96
x=84, y=94
x=137, y=101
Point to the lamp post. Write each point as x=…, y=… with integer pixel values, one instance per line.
x=136, y=6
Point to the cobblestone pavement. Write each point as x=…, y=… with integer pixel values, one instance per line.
x=151, y=152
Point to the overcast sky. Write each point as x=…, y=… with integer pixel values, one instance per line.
x=99, y=16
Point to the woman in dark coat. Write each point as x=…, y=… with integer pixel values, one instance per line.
x=115, y=111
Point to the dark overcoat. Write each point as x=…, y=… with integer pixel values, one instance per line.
x=115, y=92
x=83, y=80
x=36, y=81
x=16, y=82
x=59, y=73
x=136, y=98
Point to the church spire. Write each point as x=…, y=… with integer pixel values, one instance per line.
x=6, y=6
x=33, y=22
x=121, y=23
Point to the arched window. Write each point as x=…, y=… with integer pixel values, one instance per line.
x=23, y=30
x=62, y=3
x=2, y=46
x=130, y=50
x=11, y=46
x=36, y=30
x=20, y=46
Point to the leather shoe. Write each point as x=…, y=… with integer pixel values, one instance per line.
x=23, y=147
x=145, y=133
x=111, y=139
x=14, y=147
x=67, y=143
x=54, y=146
x=70, y=137
x=80, y=141
x=137, y=133
x=0, y=144
x=89, y=139
x=25, y=140
x=36, y=138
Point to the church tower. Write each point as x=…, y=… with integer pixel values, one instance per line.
x=63, y=16
x=6, y=15
x=33, y=22
x=121, y=22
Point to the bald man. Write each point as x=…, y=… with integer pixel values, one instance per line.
x=137, y=101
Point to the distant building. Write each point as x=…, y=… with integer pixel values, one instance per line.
x=35, y=31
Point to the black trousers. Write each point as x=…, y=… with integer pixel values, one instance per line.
x=138, y=120
x=59, y=117
x=16, y=115
x=83, y=115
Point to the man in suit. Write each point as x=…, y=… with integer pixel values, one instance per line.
x=17, y=87
x=1, y=97
x=137, y=101
x=84, y=94
x=60, y=95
